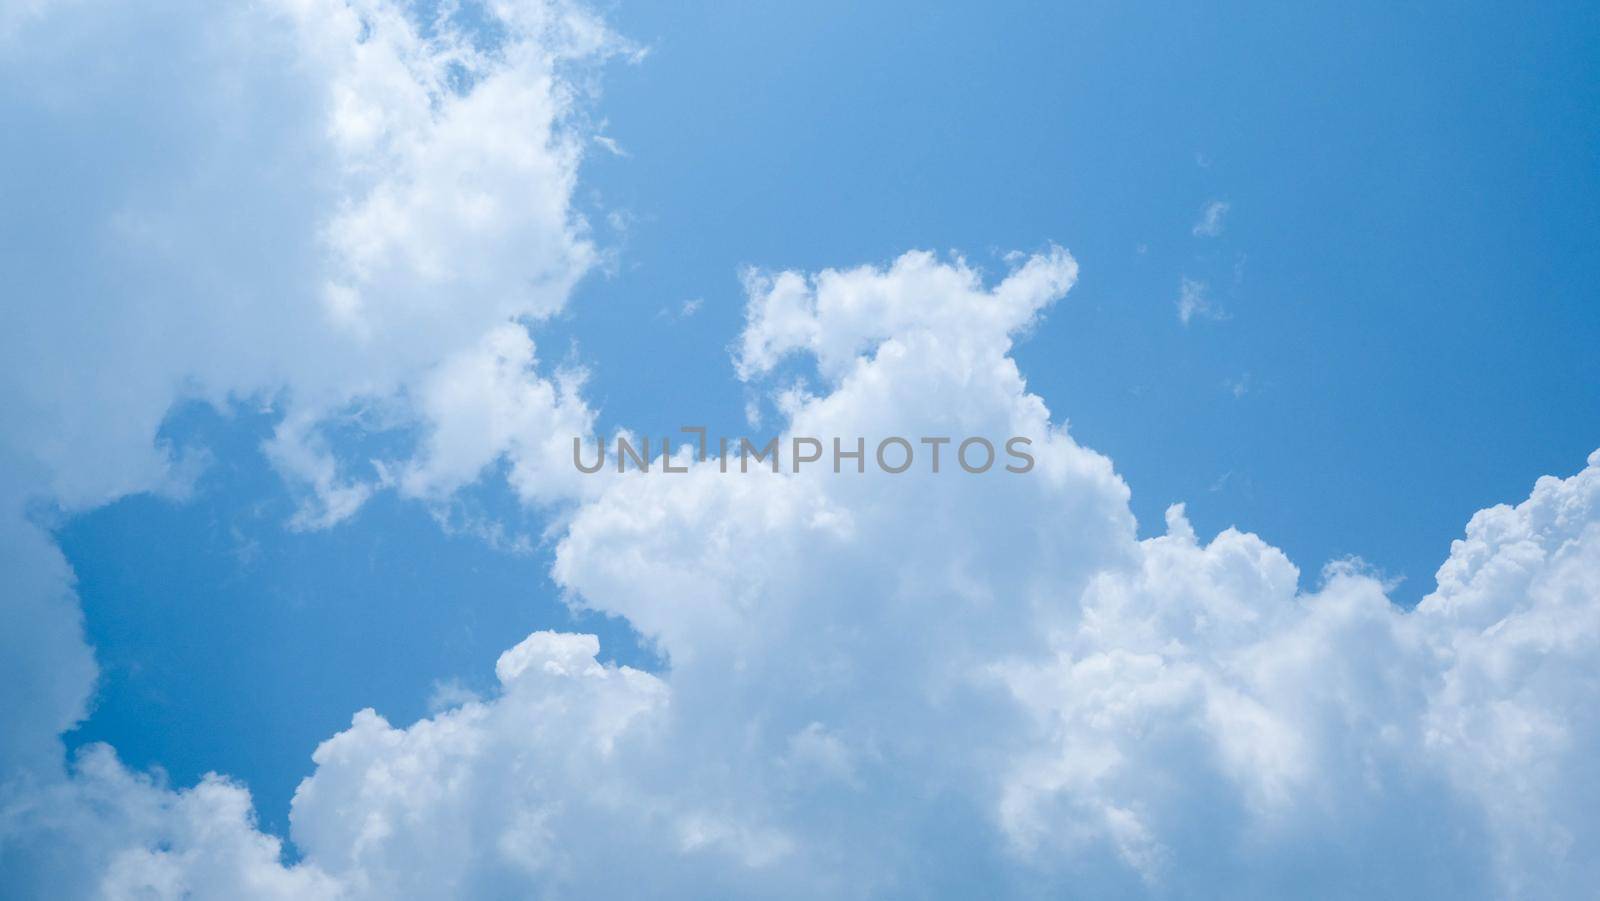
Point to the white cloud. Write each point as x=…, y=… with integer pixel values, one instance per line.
x=342, y=200
x=485, y=404
x=1194, y=302
x=877, y=685
x=995, y=664
x=108, y=833
x=487, y=793
x=1168, y=716
x=685, y=310
x=837, y=314
x=329, y=207
x=1211, y=219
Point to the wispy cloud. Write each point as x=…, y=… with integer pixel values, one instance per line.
x=685, y=310
x=1194, y=301
x=1211, y=219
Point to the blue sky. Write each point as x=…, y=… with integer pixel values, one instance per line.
x=1397, y=329
x=1406, y=269
x=1405, y=263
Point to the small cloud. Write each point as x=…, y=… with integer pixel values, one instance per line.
x=621, y=221
x=611, y=145
x=1193, y=302
x=689, y=308
x=246, y=550
x=1238, y=387
x=1210, y=224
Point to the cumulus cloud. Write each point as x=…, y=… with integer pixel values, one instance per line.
x=327, y=206
x=1170, y=707
x=875, y=685
x=927, y=684
x=108, y=833
x=344, y=210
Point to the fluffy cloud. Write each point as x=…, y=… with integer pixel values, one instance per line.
x=483, y=797
x=333, y=207
x=1174, y=709
x=876, y=684
x=1515, y=625
x=920, y=684
x=107, y=833
x=340, y=209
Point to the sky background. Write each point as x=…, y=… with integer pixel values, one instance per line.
x=1401, y=321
